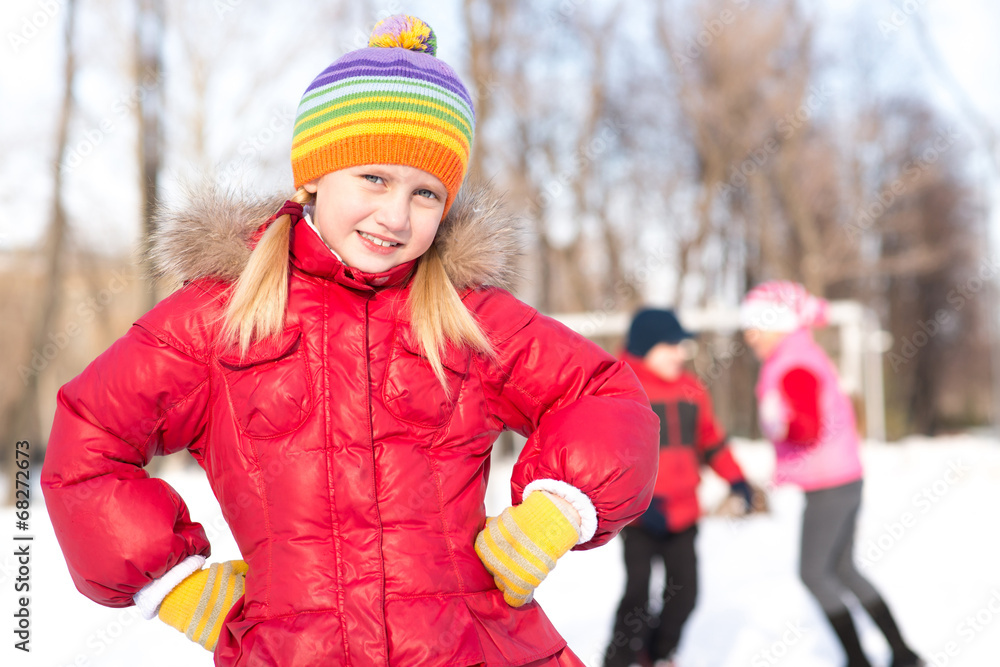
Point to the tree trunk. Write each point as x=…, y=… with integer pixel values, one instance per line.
x=23, y=420
x=149, y=79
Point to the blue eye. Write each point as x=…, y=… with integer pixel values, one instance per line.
x=372, y=178
x=427, y=193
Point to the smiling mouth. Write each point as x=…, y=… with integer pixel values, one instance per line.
x=377, y=241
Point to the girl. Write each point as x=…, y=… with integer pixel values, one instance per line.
x=341, y=385
x=811, y=423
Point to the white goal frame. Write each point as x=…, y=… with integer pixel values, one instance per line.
x=862, y=344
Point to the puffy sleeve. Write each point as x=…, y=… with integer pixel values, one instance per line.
x=589, y=425
x=146, y=395
x=801, y=390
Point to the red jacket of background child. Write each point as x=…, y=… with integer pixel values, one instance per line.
x=689, y=438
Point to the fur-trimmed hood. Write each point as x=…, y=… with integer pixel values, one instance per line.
x=208, y=235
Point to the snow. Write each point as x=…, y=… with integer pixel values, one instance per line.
x=928, y=538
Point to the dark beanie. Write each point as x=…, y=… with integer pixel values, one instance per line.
x=652, y=326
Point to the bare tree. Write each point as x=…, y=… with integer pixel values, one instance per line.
x=23, y=421
x=148, y=77
x=552, y=151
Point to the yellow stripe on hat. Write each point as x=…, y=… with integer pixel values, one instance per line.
x=415, y=123
x=396, y=129
x=390, y=103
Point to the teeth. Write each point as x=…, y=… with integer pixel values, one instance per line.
x=376, y=241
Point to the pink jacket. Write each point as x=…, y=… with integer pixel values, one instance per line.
x=834, y=459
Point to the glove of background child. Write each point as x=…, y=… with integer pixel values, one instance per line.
x=198, y=605
x=520, y=547
x=744, y=499
x=741, y=489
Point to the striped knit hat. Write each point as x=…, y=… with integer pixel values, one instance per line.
x=781, y=305
x=393, y=102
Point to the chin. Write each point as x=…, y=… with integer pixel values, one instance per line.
x=370, y=267
x=374, y=265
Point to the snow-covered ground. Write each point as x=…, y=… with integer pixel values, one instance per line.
x=929, y=537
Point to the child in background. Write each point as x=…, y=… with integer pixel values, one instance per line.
x=689, y=438
x=340, y=365
x=803, y=411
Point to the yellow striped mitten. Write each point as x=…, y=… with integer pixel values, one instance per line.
x=520, y=547
x=198, y=605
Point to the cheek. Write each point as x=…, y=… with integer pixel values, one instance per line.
x=327, y=227
x=425, y=228
x=665, y=366
x=769, y=344
x=338, y=222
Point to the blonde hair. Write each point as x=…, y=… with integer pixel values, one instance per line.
x=259, y=299
x=259, y=296
x=438, y=315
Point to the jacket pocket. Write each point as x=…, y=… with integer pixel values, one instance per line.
x=411, y=391
x=270, y=389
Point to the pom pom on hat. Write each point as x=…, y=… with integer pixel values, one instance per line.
x=404, y=32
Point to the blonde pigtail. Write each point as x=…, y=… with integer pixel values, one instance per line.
x=259, y=296
x=438, y=315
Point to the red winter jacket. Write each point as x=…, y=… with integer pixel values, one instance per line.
x=689, y=438
x=352, y=481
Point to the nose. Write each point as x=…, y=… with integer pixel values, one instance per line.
x=394, y=211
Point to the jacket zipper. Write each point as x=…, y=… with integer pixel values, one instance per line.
x=371, y=443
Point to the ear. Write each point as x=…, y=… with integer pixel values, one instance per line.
x=312, y=186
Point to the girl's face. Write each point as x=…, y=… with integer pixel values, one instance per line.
x=376, y=217
x=763, y=343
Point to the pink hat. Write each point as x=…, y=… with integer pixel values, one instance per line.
x=781, y=305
